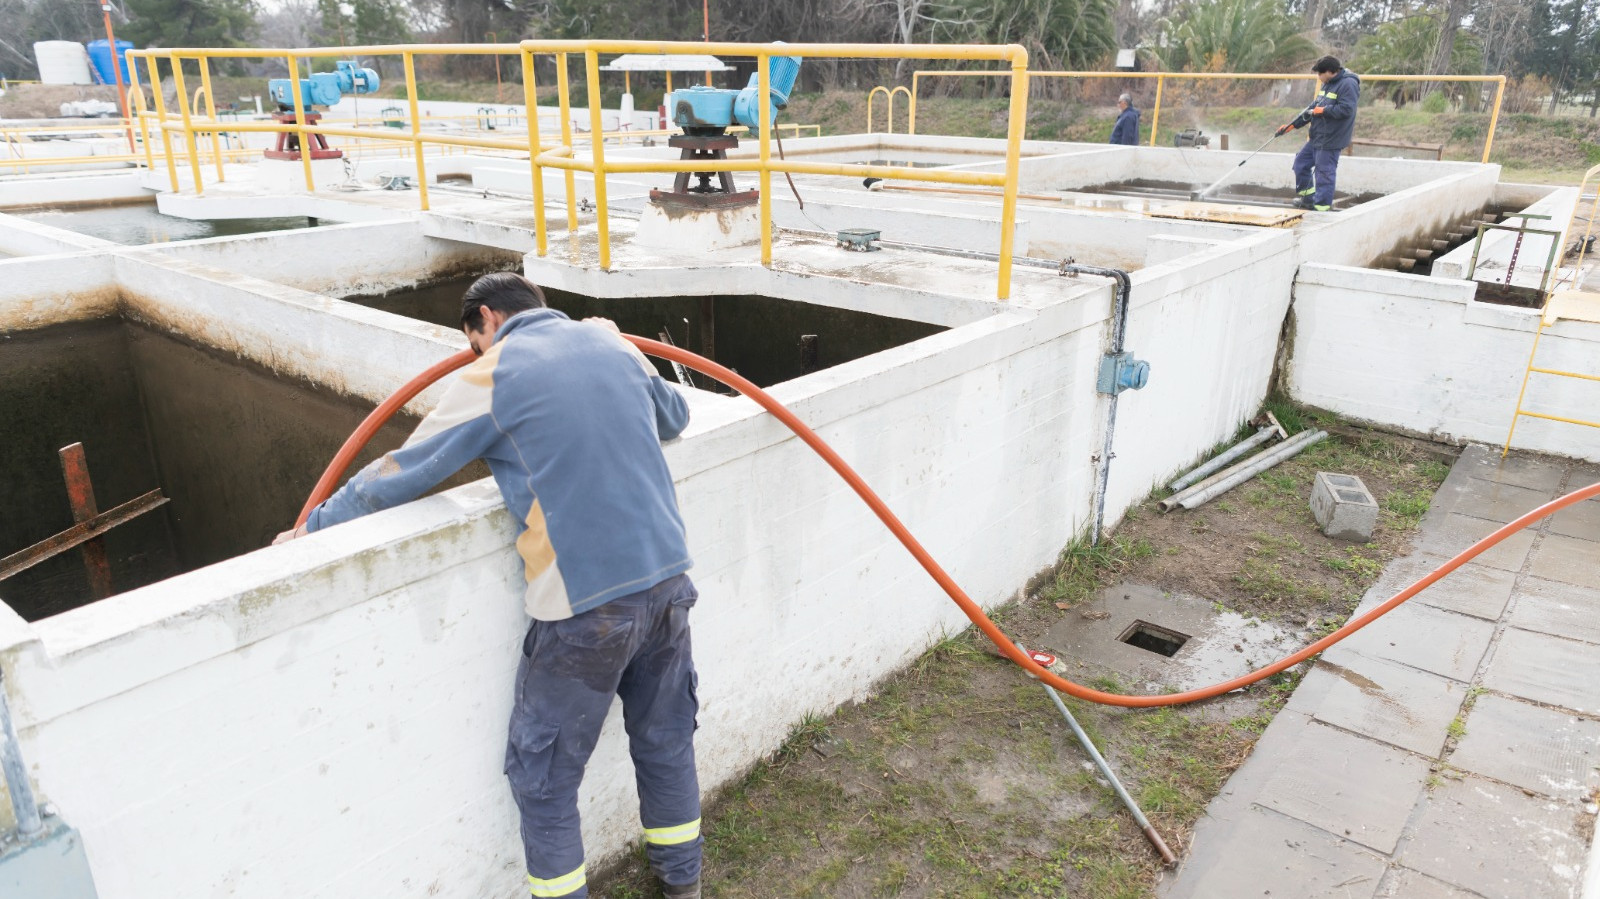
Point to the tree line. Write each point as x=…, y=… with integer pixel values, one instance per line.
x=1554, y=45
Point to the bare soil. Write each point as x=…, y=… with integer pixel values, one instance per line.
x=958, y=778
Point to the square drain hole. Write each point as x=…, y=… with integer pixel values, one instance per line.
x=1154, y=638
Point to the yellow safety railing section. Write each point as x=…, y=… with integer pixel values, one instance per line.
x=1574, y=304
x=562, y=151
x=1161, y=79
x=872, y=94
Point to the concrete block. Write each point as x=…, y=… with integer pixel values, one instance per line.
x=695, y=231
x=1343, y=507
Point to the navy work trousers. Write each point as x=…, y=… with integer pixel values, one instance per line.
x=635, y=647
x=1324, y=164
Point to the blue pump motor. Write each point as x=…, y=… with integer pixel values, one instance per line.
x=702, y=109
x=325, y=88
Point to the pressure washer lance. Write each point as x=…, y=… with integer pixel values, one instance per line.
x=1200, y=194
x=1055, y=666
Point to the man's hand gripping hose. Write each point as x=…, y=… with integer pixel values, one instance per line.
x=1004, y=644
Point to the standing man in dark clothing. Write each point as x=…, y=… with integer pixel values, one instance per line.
x=1126, y=130
x=570, y=418
x=1332, y=117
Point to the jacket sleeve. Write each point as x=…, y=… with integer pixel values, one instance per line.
x=1301, y=120
x=1344, y=104
x=458, y=431
x=672, y=411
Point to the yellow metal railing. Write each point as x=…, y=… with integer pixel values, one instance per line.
x=1576, y=304
x=563, y=153
x=1161, y=79
x=899, y=89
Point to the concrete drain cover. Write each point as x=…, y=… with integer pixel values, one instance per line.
x=1158, y=640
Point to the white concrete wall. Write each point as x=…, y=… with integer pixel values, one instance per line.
x=1419, y=354
x=25, y=237
x=80, y=187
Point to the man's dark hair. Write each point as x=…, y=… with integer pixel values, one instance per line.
x=505, y=292
x=1327, y=64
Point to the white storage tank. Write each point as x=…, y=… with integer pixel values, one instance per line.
x=62, y=62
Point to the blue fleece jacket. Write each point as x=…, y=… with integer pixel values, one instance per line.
x=1337, y=125
x=1126, y=131
x=570, y=421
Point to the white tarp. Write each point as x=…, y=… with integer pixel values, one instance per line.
x=644, y=62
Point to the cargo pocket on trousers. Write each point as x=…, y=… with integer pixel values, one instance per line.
x=529, y=751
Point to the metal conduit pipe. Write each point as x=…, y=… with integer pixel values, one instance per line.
x=23, y=805
x=1257, y=465
x=1238, y=449
x=1175, y=500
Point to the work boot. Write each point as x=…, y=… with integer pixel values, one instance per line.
x=1303, y=203
x=685, y=891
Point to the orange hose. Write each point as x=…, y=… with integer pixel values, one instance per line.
x=1006, y=646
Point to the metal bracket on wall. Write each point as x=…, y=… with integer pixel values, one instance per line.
x=1119, y=372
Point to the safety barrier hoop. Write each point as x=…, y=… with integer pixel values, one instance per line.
x=872, y=94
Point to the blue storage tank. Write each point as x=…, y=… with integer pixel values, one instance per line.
x=100, y=59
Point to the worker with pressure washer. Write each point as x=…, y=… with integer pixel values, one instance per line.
x=1126, y=130
x=1332, y=117
x=570, y=418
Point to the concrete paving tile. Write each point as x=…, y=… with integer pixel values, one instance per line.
x=1268, y=855
x=1581, y=520
x=1546, y=669
x=1409, y=884
x=1557, y=608
x=1568, y=559
x=1517, y=470
x=1472, y=589
x=1536, y=748
x=1500, y=502
x=1400, y=706
x=1454, y=533
x=1350, y=786
x=1444, y=643
x=1496, y=841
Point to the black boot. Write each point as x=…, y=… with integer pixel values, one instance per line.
x=685, y=891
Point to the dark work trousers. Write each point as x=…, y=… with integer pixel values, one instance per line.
x=1325, y=164
x=636, y=647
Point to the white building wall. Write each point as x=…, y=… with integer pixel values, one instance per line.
x=1420, y=354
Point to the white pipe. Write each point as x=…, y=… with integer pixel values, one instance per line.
x=1234, y=452
x=1176, y=499
x=1257, y=465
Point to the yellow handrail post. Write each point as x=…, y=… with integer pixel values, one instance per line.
x=763, y=93
x=872, y=95
x=136, y=103
x=1488, y=141
x=564, y=101
x=1014, y=128
x=161, y=119
x=1155, y=114
x=416, y=129
x=597, y=144
x=530, y=99
x=211, y=110
x=911, y=123
x=300, y=118
x=188, y=129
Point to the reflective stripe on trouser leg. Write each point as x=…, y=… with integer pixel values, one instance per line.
x=1327, y=168
x=659, y=705
x=672, y=836
x=1302, y=166
x=564, y=885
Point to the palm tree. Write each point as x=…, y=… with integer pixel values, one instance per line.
x=1235, y=36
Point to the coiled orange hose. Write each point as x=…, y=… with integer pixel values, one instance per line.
x=1007, y=647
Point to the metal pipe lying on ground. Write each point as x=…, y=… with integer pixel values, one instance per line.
x=878, y=184
x=1105, y=770
x=1238, y=449
x=1257, y=465
x=1176, y=499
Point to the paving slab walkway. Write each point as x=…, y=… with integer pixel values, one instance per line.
x=1452, y=748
